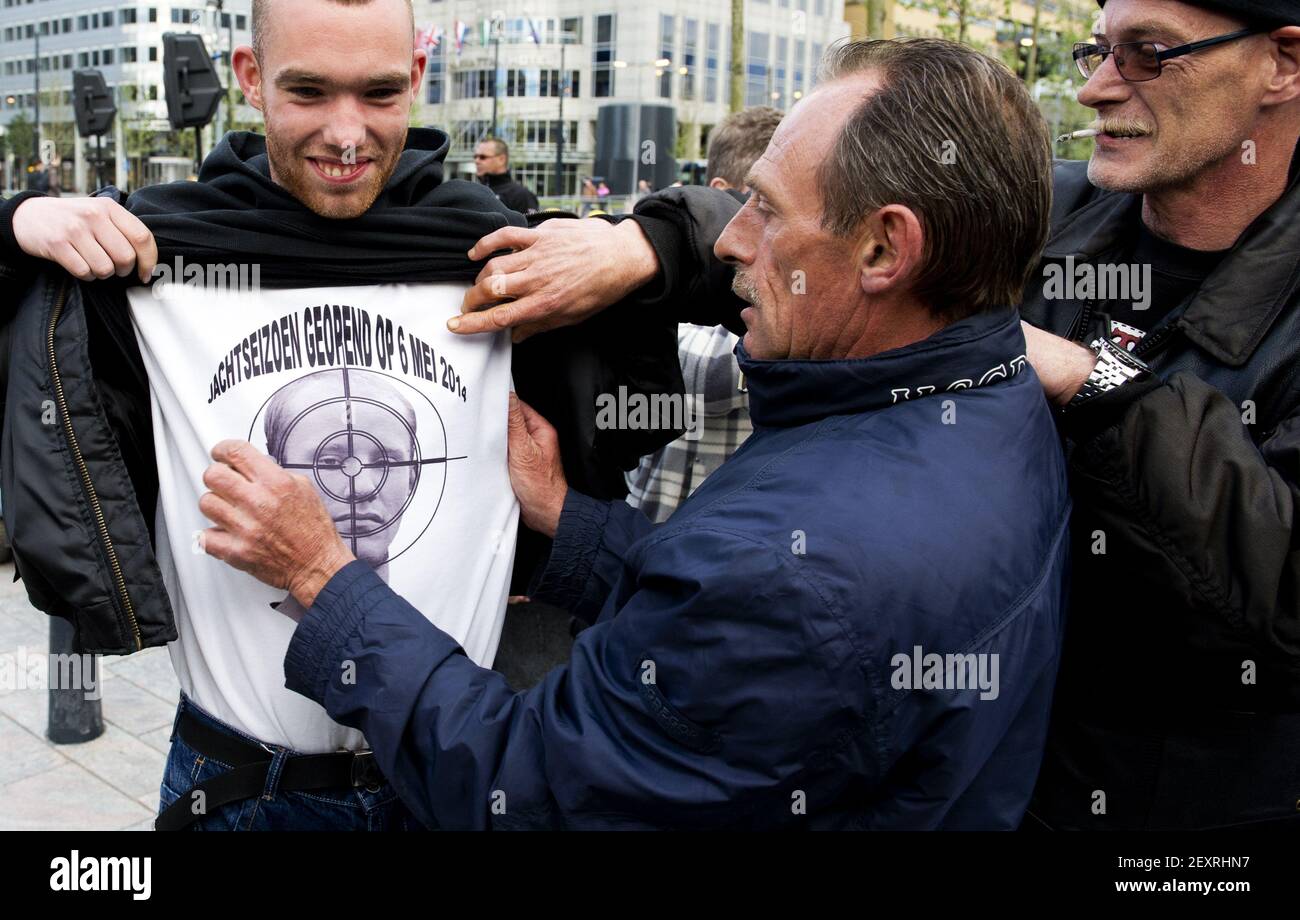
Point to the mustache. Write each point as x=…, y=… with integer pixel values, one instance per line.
x=744, y=288
x=1121, y=126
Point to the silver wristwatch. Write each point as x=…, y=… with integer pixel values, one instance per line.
x=1114, y=368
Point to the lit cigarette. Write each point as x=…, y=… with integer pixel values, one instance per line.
x=1083, y=132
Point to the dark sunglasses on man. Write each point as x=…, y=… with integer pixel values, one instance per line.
x=1138, y=62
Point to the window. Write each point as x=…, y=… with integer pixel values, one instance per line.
x=690, y=35
x=106, y=19
x=474, y=84
x=711, y=46
x=67, y=62
x=602, y=56
x=153, y=14
x=241, y=22
x=436, y=78
x=815, y=62
x=778, y=89
x=756, y=70
x=799, y=48
x=83, y=59
x=94, y=20
x=129, y=54
x=129, y=16
x=667, y=26
x=153, y=52
x=83, y=23
x=67, y=24
x=572, y=30
x=108, y=56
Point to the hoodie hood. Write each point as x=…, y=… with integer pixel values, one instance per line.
x=418, y=229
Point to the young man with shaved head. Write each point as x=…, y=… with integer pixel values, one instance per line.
x=338, y=363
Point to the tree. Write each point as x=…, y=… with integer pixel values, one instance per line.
x=21, y=136
x=955, y=16
x=737, y=96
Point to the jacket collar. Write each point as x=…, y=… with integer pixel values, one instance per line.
x=494, y=180
x=1264, y=265
x=972, y=353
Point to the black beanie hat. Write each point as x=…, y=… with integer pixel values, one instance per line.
x=1270, y=14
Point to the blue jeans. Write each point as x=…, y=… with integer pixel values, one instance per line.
x=342, y=808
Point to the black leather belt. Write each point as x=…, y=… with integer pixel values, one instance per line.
x=249, y=764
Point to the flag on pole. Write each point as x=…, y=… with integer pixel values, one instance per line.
x=462, y=32
x=430, y=38
x=532, y=27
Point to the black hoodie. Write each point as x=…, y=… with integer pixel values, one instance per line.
x=97, y=569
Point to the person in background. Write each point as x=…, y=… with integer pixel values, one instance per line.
x=492, y=166
x=719, y=416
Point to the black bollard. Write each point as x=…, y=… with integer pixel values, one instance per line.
x=75, y=711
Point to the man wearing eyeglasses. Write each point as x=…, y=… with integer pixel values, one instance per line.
x=1178, y=702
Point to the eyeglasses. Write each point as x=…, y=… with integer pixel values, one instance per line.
x=1138, y=62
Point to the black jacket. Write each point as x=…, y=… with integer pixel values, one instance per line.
x=514, y=195
x=76, y=448
x=1179, y=692
x=1197, y=592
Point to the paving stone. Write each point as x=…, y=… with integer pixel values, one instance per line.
x=25, y=754
x=134, y=709
x=121, y=760
x=160, y=739
x=67, y=798
x=150, y=670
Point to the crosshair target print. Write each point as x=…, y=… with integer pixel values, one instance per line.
x=376, y=460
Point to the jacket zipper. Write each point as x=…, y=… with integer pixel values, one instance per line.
x=1085, y=317
x=1148, y=343
x=89, y=487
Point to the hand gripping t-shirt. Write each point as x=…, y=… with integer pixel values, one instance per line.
x=399, y=425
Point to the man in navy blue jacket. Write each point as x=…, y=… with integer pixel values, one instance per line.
x=855, y=622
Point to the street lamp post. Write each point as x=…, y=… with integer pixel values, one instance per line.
x=496, y=68
x=559, y=128
x=36, y=71
x=218, y=7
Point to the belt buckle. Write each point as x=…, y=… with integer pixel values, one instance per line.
x=365, y=772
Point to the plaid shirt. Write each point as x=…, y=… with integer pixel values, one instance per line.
x=665, y=478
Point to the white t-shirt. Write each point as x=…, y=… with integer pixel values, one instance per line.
x=399, y=424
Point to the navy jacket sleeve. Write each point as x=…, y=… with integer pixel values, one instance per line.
x=587, y=556
x=656, y=720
